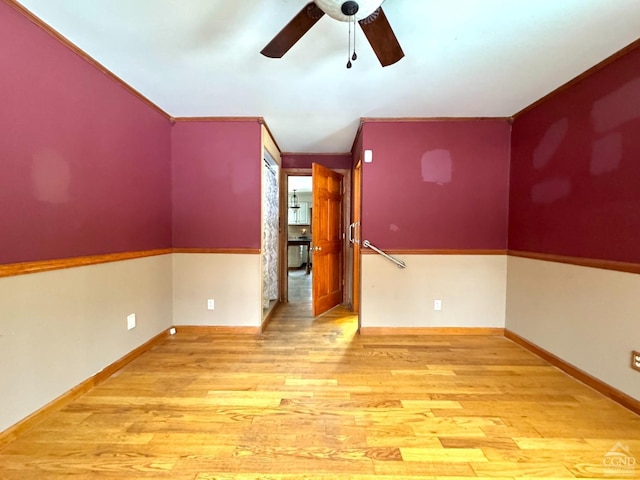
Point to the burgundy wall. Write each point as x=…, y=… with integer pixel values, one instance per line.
x=334, y=161
x=575, y=177
x=87, y=168
x=216, y=184
x=436, y=184
x=85, y=164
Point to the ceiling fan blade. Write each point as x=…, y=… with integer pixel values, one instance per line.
x=293, y=31
x=381, y=37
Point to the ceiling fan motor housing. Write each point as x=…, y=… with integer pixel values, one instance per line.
x=341, y=10
x=350, y=8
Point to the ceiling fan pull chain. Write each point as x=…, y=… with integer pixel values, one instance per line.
x=354, y=57
x=349, y=47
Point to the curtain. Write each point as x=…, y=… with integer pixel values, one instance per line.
x=270, y=209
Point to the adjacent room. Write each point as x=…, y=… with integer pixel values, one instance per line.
x=299, y=246
x=319, y=239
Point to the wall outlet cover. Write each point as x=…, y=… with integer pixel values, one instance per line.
x=210, y=304
x=131, y=321
x=635, y=360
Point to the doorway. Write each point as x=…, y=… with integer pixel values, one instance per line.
x=297, y=227
x=299, y=238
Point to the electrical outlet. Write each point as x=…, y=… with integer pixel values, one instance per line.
x=437, y=305
x=131, y=321
x=635, y=360
x=210, y=304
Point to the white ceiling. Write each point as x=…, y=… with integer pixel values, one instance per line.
x=470, y=58
x=300, y=184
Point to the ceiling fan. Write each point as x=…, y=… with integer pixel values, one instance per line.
x=368, y=13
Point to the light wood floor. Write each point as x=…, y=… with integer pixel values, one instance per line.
x=311, y=399
x=299, y=286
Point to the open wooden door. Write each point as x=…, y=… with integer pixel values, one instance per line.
x=355, y=237
x=327, y=235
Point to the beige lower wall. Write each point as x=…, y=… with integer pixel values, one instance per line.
x=61, y=327
x=588, y=317
x=472, y=289
x=234, y=281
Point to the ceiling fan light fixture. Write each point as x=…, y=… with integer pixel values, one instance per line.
x=334, y=8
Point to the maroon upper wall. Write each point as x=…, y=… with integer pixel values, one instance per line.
x=335, y=161
x=436, y=184
x=575, y=176
x=216, y=184
x=85, y=164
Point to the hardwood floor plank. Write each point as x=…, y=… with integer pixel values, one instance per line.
x=552, y=444
x=455, y=455
x=413, y=469
x=486, y=444
x=401, y=441
x=103, y=462
x=523, y=470
x=309, y=398
x=569, y=457
x=430, y=404
x=426, y=426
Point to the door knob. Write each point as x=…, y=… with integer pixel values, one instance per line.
x=317, y=249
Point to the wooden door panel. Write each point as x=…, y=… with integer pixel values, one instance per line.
x=357, y=259
x=327, y=230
